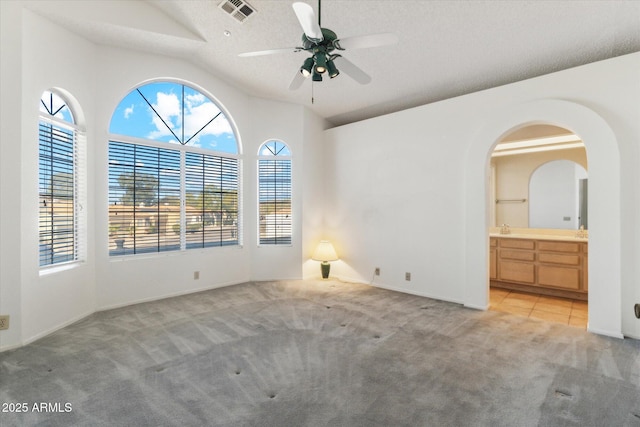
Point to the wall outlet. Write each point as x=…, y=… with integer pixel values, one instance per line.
x=196, y=275
x=4, y=322
x=407, y=277
x=377, y=271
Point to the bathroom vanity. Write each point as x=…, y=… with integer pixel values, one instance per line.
x=548, y=264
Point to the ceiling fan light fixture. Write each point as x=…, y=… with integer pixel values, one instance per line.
x=306, y=68
x=321, y=62
x=332, y=69
x=317, y=77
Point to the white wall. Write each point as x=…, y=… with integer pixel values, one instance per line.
x=395, y=199
x=407, y=192
x=10, y=155
x=99, y=77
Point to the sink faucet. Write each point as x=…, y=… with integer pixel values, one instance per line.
x=505, y=229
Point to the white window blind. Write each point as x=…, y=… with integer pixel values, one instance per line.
x=58, y=225
x=274, y=193
x=211, y=213
x=146, y=196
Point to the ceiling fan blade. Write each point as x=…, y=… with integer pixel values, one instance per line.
x=308, y=21
x=297, y=81
x=371, y=40
x=271, y=51
x=352, y=70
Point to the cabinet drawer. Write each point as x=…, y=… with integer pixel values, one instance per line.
x=559, y=246
x=516, y=272
x=517, y=244
x=517, y=255
x=559, y=277
x=559, y=259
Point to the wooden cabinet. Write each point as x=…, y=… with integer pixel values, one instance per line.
x=547, y=267
x=493, y=266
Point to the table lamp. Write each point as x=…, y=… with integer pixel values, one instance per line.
x=325, y=253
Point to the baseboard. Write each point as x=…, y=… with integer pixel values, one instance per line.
x=10, y=347
x=605, y=333
x=55, y=328
x=402, y=290
x=477, y=307
x=170, y=295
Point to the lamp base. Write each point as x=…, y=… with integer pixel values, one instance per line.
x=324, y=268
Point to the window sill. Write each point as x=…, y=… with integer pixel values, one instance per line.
x=170, y=254
x=46, y=271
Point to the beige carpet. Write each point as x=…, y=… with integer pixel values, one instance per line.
x=319, y=353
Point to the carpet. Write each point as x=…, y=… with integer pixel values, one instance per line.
x=318, y=353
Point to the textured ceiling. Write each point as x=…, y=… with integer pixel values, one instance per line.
x=446, y=48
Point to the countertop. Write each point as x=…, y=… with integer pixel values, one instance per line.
x=540, y=237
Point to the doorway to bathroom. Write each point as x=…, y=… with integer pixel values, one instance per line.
x=539, y=225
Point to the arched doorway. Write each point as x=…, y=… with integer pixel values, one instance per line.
x=604, y=204
x=538, y=263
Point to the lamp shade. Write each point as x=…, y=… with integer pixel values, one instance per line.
x=325, y=252
x=305, y=70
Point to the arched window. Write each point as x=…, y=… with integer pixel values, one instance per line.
x=173, y=172
x=60, y=157
x=274, y=193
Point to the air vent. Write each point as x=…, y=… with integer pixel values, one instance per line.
x=238, y=9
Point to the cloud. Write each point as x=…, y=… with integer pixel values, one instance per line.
x=198, y=111
x=128, y=111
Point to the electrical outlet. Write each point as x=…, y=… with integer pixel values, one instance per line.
x=407, y=277
x=196, y=275
x=377, y=271
x=4, y=322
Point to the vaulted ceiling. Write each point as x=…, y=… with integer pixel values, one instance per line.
x=445, y=49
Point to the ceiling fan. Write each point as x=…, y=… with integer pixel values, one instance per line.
x=323, y=43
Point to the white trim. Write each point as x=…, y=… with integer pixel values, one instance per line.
x=170, y=295
x=169, y=145
x=397, y=289
x=612, y=334
x=56, y=328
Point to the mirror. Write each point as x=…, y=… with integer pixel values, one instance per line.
x=557, y=196
x=539, y=179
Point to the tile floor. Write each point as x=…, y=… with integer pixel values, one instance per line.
x=552, y=309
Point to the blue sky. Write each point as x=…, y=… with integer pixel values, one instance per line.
x=134, y=117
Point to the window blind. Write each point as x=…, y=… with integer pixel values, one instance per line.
x=58, y=225
x=144, y=199
x=157, y=205
x=211, y=214
x=275, y=202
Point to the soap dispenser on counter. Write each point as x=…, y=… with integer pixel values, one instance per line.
x=505, y=229
x=581, y=233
